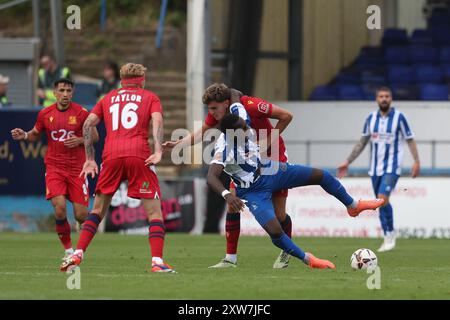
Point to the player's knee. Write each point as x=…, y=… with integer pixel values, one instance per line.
x=318, y=176
x=60, y=211
x=274, y=229
x=81, y=214
x=385, y=198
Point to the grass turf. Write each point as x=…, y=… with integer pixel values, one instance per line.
x=117, y=267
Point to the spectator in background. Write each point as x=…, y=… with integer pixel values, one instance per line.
x=111, y=79
x=48, y=74
x=4, y=102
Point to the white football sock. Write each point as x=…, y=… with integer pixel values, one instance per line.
x=69, y=251
x=231, y=257
x=157, y=260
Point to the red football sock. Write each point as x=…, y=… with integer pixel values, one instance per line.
x=156, y=234
x=287, y=226
x=232, y=230
x=88, y=230
x=63, y=231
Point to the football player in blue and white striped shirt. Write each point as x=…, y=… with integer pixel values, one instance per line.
x=237, y=153
x=386, y=129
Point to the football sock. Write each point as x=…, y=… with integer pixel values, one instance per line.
x=387, y=218
x=286, y=244
x=335, y=188
x=231, y=257
x=287, y=226
x=88, y=230
x=63, y=231
x=232, y=231
x=156, y=234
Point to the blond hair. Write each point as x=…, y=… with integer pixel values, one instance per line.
x=132, y=70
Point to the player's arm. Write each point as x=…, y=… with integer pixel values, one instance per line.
x=90, y=166
x=283, y=116
x=412, y=145
x=73, y=141
x=190, y=140
x=357, y=149
x=213, y=179
x=158, y=135
x=20, y=134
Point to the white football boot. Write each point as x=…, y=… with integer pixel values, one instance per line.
x=390, y=244
x=282, y=261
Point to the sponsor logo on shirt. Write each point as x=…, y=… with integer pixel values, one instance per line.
x=263, y=107
x=382, y=137
x=72, y=120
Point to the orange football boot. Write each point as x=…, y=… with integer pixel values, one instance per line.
x=317, y=263
x=365, y=205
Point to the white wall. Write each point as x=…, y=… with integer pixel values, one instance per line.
x=338, y=121
x=409, y=14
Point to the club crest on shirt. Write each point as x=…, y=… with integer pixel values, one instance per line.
x=249, y=102
x=263, y=107
x=72, y=120
x=51, y=119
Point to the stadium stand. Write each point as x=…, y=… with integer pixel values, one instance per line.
x=415, y=66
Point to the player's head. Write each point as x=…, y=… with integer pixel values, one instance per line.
x=3, y=84
x=384, y=98
x=111, y=71
x=132, y=75
x=63, y=91
x=48, y=62
x=232, y=122
x=217, y=98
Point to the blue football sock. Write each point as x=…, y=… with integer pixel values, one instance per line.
x=387, y=218
x=335, y=188
x=286, y=244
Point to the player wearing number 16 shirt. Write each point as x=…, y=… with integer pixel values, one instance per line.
x=128, y=114
x=62, y=122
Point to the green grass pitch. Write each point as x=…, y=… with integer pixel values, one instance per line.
x=117, y=267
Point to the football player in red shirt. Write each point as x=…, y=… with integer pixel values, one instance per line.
x=63, y=123
x=128, y=113
x=219, y=98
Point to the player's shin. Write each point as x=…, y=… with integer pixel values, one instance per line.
x=63, y=231
x=332, y=186
x=287, y=226
x=232, y=231
x=156, y=235
x=88, y=231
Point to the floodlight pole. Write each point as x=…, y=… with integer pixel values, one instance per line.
x=57, y=31
x=37, y=18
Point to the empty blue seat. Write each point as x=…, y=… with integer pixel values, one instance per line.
x=421, y=37
x=323, y=93
x=446, y=71
x=400, y=74
x=350, y=92
x=439, y=17
x=428, y=74
x=394, y=36
x=85, y=93
x=441, y=35
x=403, y=91
x=423, y=54
x=434, y=92
x=444, y=55
x=347, y=77
x=397, y=55
x=370, y=57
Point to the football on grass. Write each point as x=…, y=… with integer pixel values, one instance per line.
x=363, y=259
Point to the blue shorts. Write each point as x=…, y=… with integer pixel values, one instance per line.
x=259, y=194
x=384, y=184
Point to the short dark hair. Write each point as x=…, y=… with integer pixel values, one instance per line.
x=384, y=89
x=229, y=122
x=64, y=80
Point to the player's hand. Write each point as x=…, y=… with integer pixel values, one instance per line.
x=169, y=145
x=234, y=203
x=415, y=171
x=342, y=170
x=73, y=141
x=153, y=159
x=18, y=134
x=89, y=168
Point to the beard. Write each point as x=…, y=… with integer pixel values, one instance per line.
x=384, y=106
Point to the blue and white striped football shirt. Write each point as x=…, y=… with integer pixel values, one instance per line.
x=240, y=160
x=387, y=136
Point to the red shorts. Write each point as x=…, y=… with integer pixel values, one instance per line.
x=283, y=193
x=142, y=180
x=58, y=183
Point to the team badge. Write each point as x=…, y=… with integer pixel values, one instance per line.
x=263, y=107
x=72, y=120
x=51, y=119
x=249, y=102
